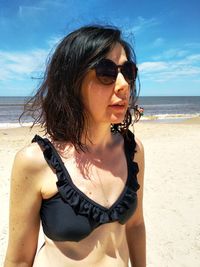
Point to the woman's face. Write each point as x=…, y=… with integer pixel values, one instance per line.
x=106, y=103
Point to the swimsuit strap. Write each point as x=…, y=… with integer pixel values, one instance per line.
x=130, y=145
x=53, y=159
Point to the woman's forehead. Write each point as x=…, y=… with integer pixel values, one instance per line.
x=117, y=54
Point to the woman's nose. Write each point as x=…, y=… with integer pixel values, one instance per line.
x=121, y=85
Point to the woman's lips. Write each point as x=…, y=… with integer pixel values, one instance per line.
x=118, y=106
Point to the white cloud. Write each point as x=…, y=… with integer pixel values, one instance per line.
x=162, y=71
x=27, y=11
x=158, y=42
x=140, y=25
x=15, y=65
x=143, y=23
x=192, y=45
x=193, y=58
x=35, y=9
x=54, y=40
x=152, y=66
x=57, y=3
x=18, y=65
x=171, y=54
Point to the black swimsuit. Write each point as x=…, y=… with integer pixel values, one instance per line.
x=70, y=215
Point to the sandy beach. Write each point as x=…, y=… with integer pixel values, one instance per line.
x=171, y=194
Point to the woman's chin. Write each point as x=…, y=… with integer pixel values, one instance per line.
x=117, y=119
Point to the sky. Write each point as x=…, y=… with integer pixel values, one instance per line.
x=165, y=36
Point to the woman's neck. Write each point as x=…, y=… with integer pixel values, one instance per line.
x=98, y=137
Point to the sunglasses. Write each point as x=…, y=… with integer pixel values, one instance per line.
x=107, y=71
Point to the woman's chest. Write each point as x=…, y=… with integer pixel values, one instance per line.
x=102, y=183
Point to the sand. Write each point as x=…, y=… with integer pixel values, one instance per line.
x=171, y=192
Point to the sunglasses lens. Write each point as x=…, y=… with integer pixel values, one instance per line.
x=106, y=71
x=129, y=71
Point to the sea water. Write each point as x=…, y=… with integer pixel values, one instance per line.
x=155, y=107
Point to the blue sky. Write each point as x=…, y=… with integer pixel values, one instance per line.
x=165, y=36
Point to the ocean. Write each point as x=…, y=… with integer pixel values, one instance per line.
x=10, y=109
x=155, y=107
x=170, y=107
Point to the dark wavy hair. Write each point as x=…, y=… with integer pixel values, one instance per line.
x=57, y=106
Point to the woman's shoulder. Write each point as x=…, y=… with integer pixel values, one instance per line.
x=27, y=169
x=139, y=145
x=30, y=158
x=139, y=152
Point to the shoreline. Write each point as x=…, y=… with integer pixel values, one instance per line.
x=169, y=117
x=162, y=118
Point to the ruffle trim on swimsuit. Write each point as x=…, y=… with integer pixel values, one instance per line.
x=80, y=202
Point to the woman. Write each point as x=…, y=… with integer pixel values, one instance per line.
x=81, y=180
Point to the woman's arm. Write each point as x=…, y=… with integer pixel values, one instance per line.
x=24, y=221
x=135, y=227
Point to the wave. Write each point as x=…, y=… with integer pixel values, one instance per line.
x=157, y=117
x=169, y=117
x=5, y=125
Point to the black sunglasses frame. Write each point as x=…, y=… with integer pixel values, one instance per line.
x=107, y=71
